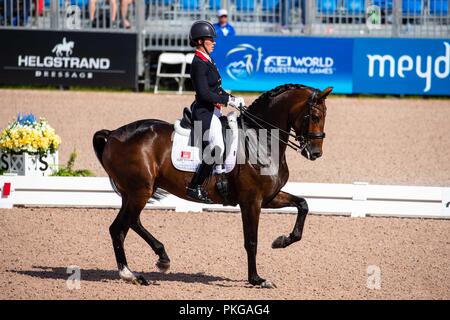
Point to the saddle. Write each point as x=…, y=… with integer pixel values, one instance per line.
x=186, y=153
x=186, y=120
x=187, y=123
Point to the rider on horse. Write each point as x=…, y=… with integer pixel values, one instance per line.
x=210, y=98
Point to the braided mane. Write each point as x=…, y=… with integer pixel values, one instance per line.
x=268, y=95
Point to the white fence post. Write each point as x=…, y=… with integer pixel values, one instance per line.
x=359, y=199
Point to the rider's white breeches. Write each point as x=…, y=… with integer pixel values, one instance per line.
x=215, y=139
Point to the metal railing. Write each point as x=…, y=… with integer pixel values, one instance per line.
x=382, y=18
x=164, y=24
x=167, y=21
x=172, y=18
x=104, y=15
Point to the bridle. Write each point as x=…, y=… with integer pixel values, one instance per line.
x=305, y=137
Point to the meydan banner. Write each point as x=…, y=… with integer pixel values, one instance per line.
x=359, y=65
x=402, y=66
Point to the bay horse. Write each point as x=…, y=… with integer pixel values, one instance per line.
x=137, y=157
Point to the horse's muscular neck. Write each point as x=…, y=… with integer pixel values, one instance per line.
x=278, y=111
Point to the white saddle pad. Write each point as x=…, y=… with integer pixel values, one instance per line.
x=187, y=158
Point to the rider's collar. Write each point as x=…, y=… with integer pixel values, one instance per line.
x=203, y=56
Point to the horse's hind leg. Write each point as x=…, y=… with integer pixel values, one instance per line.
x=118, y=230
x=284, y=199
x=163, y=262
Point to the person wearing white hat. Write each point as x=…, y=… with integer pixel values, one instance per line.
x=223, y=28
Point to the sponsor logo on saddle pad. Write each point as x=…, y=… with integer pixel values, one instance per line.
x=185, y=154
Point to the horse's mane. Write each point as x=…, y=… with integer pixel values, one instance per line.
x=265, y=98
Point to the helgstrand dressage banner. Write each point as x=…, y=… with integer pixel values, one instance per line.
x=68, y=58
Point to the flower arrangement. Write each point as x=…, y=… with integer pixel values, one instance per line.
x=27, y=134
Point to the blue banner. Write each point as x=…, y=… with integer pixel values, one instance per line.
x=401, y=66
x=262, y=63
x=360, y=65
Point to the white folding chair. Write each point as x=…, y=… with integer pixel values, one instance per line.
x=188, y=61
x=171, y=59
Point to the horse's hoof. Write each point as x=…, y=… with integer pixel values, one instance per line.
x=127, y=275
x=140, y=280
x=268, y=285
x=280, y=242
x=163, y=266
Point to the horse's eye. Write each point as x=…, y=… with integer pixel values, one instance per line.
x=315, y=118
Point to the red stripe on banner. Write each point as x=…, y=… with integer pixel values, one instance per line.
x=6, y=189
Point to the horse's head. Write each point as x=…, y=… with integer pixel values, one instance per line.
x=308, y=122
x=71, y=44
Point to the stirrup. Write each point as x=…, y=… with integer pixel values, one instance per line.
x=197, y=193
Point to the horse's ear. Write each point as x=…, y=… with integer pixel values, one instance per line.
x=325, y=93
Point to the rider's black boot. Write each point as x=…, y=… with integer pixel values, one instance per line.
x=195, y=189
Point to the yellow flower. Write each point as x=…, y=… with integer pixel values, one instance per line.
x=38, y=137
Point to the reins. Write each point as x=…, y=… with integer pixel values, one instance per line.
x=303, y=139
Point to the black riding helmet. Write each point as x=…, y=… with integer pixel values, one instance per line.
x=201, y=29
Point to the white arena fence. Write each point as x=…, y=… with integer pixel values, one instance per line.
x=357, y=200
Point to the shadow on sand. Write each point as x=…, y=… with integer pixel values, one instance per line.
x=99, y=275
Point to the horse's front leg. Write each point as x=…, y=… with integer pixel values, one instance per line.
x=250, y=219
x=284, y=199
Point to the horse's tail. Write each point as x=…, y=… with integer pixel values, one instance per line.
x=99, y=141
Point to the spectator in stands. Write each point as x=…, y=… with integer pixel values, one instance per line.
x=285, y=7
x=223, y=28
x=124, y=13
x=113, y=7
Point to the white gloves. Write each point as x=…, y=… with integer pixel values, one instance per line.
x=236, y=102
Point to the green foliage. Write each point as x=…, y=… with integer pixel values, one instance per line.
x=68, y=171
x=2, y=171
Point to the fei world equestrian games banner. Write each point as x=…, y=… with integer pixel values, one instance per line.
x=68, y=58
x=262, y=63
x=350, y=65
